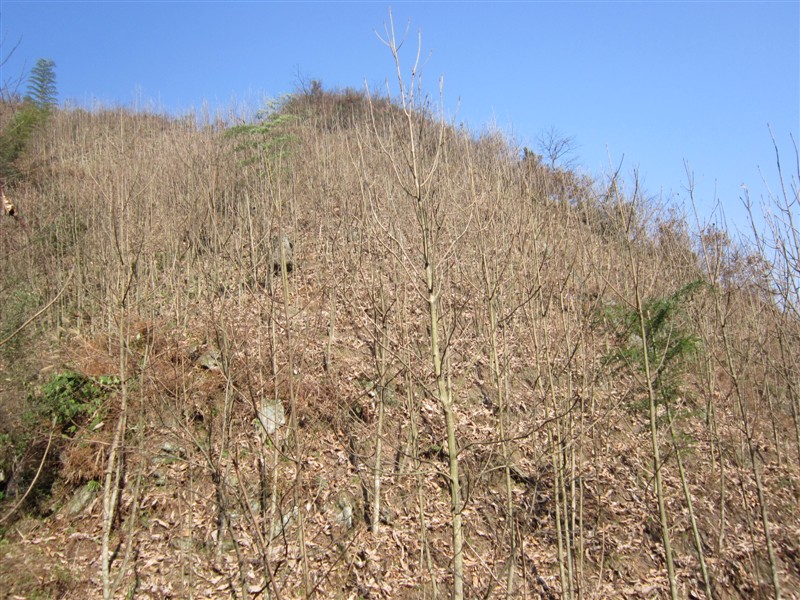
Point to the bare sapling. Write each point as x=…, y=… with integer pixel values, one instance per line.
x=414, y=168
x=128, y=251
x=738, y=361
x=501, y=240
x=287, y=376
x=778, y=244
x=499, y=385
x=381, y=343
x=626, y=216
x=412, y=406
x=715, y=249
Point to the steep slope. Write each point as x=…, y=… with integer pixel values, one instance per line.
x=243, y=416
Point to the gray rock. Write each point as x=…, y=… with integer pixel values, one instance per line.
x=183, y=543
x=82, y=498
x=211, y=360
x=173, y=450
x=386, y=515
x=271, y=415
x=282, y=249
x=344, y=509
x=278, y=527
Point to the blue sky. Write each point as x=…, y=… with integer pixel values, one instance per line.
x=656, y=83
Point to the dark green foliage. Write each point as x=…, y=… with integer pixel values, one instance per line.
x=531, y=157
x=72, y=398
x=670, y=342
x=42, y=90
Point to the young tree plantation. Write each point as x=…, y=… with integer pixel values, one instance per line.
x=352, y=350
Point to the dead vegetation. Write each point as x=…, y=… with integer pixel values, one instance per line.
x=467, y=342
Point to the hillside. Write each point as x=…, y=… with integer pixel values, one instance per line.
x=461, y=349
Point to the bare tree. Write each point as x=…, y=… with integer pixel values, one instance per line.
x=557, y=148
x=414, y=166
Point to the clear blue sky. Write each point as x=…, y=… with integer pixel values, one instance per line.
x=657, y=83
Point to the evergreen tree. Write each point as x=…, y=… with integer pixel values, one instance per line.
x=28, y=116
x=42, y=85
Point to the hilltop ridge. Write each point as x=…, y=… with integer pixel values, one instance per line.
x=187, y=418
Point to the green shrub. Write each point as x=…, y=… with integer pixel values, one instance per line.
x=268, y=139
x=671, y=343
x=73, y=398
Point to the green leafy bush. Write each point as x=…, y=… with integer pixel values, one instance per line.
x=73, y=398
